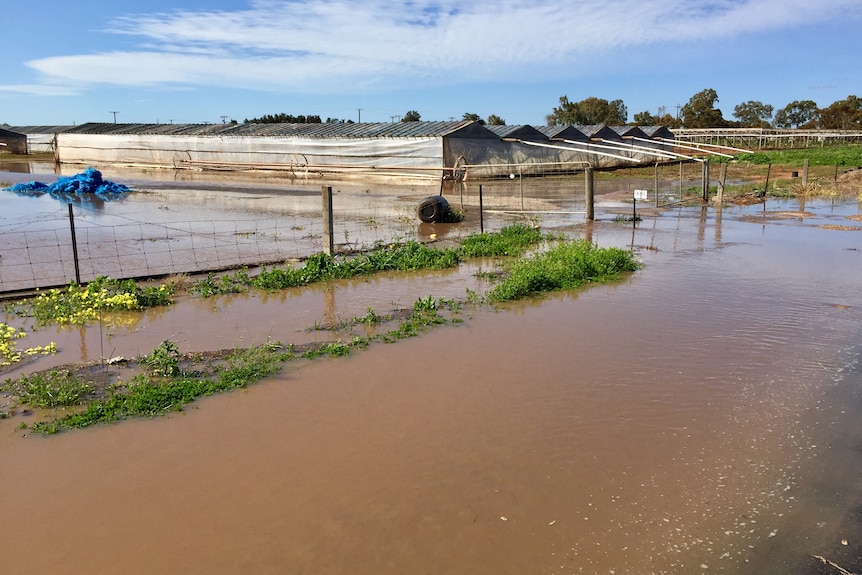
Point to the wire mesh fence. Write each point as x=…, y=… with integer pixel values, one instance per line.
x=186, y=227
x=55, y=246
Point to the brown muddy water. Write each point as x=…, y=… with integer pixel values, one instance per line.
x=701, y=415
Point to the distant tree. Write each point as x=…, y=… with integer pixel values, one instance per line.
x=753, y=114
x=474, y=118
x=700, y=111
x=411, y=116
x=661, y=118
x=587, y=112
x=495, y=120
x=645, y=119
x=284, y=119
x=668, y=121
x=795, y=114
x=841, y=115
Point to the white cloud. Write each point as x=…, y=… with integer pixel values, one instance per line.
x=39, y=90
x=325, y=45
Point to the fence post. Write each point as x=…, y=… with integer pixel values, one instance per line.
x=805, y=173
x=521, y=186
x=706, y=180
x=589, y=193
x=719, y=197
x=481, y=212
x=328, y=237
x=74, y=246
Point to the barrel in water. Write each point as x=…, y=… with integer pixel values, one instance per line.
x=432, y=209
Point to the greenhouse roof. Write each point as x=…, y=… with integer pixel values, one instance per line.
x=315, y=130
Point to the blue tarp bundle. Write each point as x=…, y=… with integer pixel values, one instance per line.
x=76, y=188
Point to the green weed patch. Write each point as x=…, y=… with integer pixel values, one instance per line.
x=840, y=155
x=79, y=304
x=564, y=266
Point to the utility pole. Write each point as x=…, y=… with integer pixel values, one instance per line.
x=115, y=116
x=393, y=118
x=224, y=119
x=360, y=114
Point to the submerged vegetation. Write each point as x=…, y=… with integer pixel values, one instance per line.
x=166, y=380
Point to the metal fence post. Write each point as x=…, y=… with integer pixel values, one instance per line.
x=328, y=236
x=481, y=212
x=705, y=164
x=74, y=246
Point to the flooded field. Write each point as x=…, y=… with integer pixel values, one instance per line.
x=699, y=416
x=196, y=222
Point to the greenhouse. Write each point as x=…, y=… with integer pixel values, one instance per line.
x=394, y=149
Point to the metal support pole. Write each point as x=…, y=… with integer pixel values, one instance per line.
x=328, y=236
x=589, y=193
x=74, y=246
x=805, y=173
x=481, y=213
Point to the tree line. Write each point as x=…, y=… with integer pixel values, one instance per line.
x=410, y=116
x=701, y=112
x=291, y=119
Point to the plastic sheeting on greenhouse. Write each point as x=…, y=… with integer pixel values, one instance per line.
x=78, y=188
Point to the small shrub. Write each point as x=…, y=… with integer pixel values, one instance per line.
x=164, y=360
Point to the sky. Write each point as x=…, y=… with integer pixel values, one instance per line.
x=213, y=61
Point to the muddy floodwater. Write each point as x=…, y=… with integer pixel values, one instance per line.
x=701, y=415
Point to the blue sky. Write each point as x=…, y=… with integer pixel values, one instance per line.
x=203, y=61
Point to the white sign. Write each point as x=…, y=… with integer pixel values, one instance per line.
x=640, y=194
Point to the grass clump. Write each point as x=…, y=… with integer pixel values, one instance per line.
x=58, y=388
x=509, y=241
x=564, y=266
x=147, y=395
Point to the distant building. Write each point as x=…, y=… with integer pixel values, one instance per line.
x=12, y=142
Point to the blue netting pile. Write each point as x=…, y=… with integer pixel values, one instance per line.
x=82, y=187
